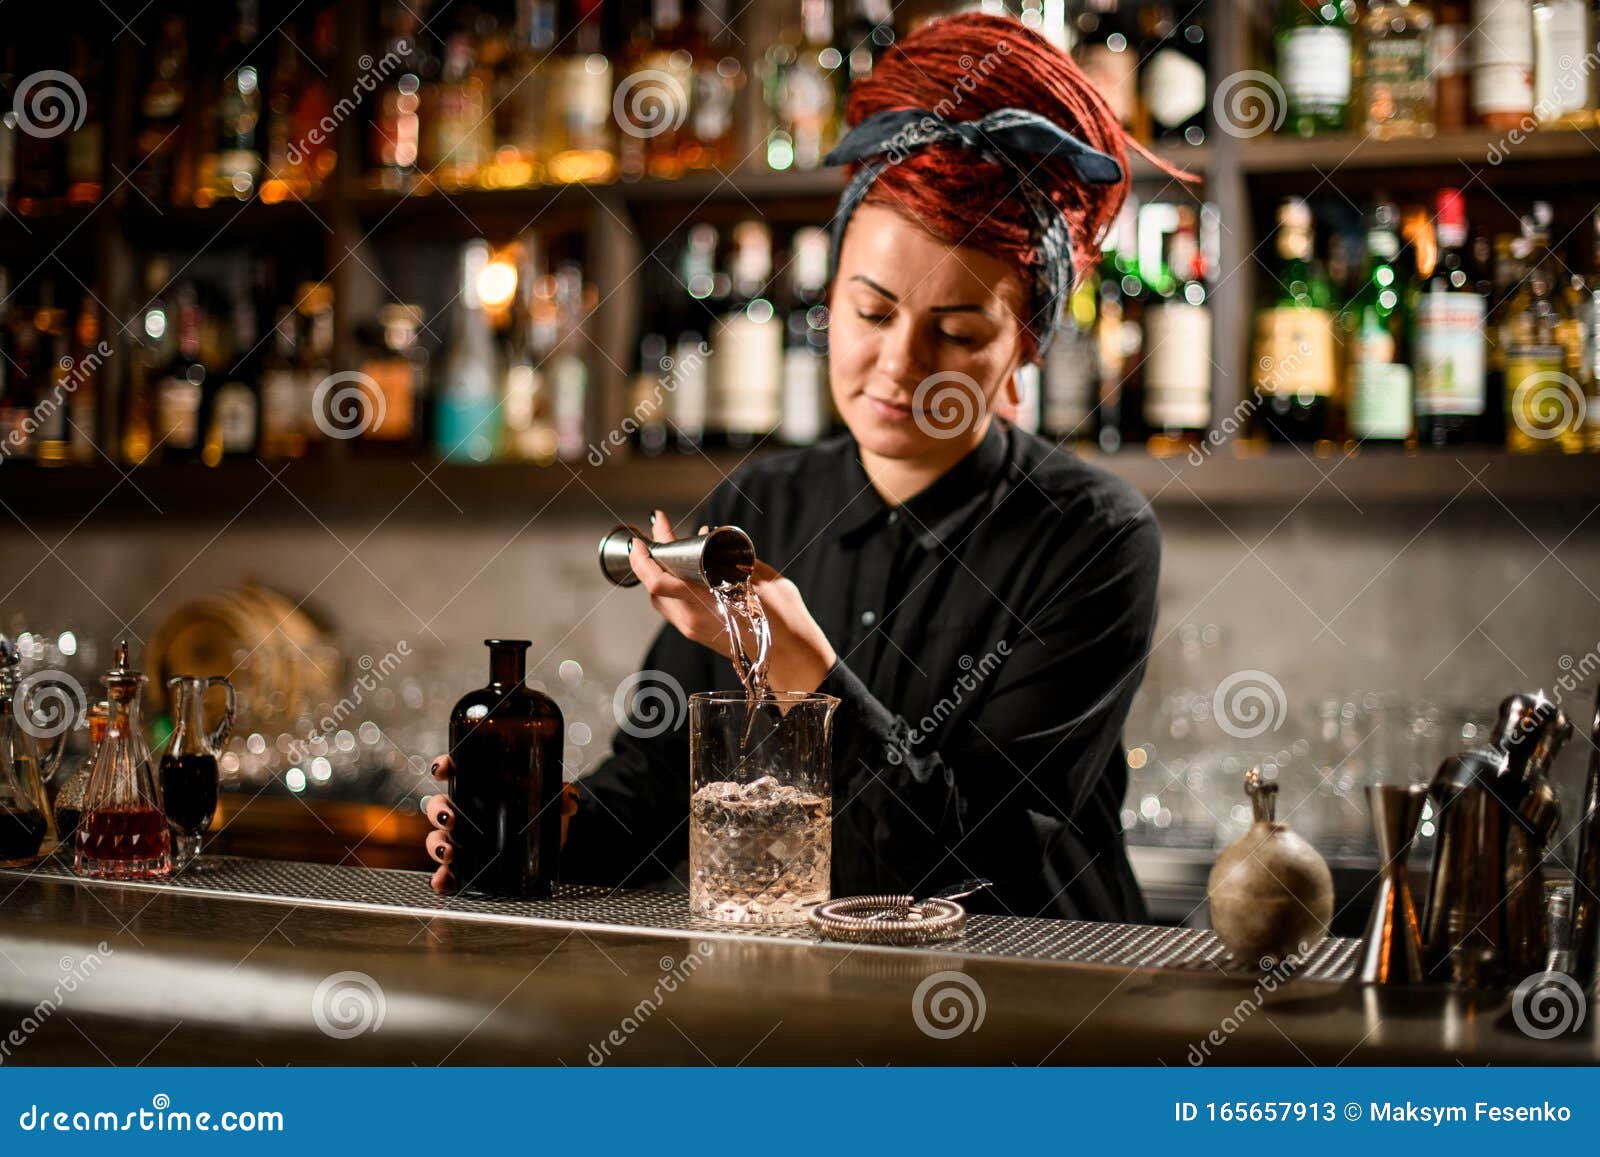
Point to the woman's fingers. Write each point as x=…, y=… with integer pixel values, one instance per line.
x=439, y=812
x=441, y=881
x=439, y=849
x=440, y=768
x=660, y=528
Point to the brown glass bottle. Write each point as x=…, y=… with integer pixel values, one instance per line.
x=505, y=781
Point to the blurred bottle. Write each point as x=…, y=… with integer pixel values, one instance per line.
x=467, y=419
x=239, y=107
x=807, y=404
x=161, y=112
x=747, y=383
x=397, y=365
x=1502, y=64
x=1563, y=81
x=1543, y=368
x=1177, y=338
x=181, y=383
x=802, y=86
x=1071, y=368
x=652, y=99
x=1105, y=49
x=868, y=34
x=457, y=127
x=1396, y=89
x=285, y=402
x=52, y=438
x=85, y=378
x=1591, y=317
x=1450, y=351
x=718, y=78
x=314, y=300
x=1119, y=336
x=1450, y=65
x=1379, y=383
x=1173, y=92
x=1315, y=50
x=395, y=137
x=581, y=140
x=1295, y=372
x=86, y=143
x=569, y=369
x=524, y=94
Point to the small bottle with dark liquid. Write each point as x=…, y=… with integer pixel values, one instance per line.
x=505, y=781
x=27, y=826
x=123, y=833
x=189, y=764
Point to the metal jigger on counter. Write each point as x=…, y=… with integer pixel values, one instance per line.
x=1496, y=811
x=724, y=554
x=1392, y=951
x=1270, y=893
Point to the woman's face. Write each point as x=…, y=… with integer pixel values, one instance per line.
x=922, y=336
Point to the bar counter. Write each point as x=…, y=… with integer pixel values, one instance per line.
x=224, y=972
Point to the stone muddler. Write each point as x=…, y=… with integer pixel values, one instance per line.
x=1270, y=893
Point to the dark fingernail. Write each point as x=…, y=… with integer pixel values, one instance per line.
x=438, y=853
x=444, y=817
x=433, y=768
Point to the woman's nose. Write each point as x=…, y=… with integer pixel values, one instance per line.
x=900, y=357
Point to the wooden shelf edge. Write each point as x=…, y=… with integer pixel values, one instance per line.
x=1290, y=154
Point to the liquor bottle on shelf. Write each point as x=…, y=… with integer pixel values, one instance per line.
x=1295, y=370
x=528, y=408
x=1396, y=90
x=653, y=98
x=395, y=137
x=1502, y=64
x=704, y=290
x=52, y=439
x=314, y=300
x=802, y=81
x=806, y=400
x=1314, y=41
x=1173, y=93
x=86, y=381
x=397, y=365
x=1450, y=65
x=1119, y=335
x=1106, y=52
x=17, y=400
x=38, y=171
x=312, y=159
x=647, y=402
x=285, y=397
x=1591, y=325
x=581, y=144
x=85, y=144
x=1379, y=385
x=1563, y=82
x=1543, y=391
x=1177, y=339
x=238, y=112
x=161, y=112
x=718, y=78
x=1451, y=312
x=523, y=94
x=1071, y=368
x=569, y=371
x=8, y=130
x=868, y=34
x=746, y=377
x=467, y=418
x=457, y=127
x=180, y=384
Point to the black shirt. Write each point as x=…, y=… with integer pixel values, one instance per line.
x=991, y=632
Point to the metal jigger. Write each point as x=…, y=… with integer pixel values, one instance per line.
x=1392, y=953
x=724, y=555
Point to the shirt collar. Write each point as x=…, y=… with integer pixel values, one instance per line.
x=932, y=515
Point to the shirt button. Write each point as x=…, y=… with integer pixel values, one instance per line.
x=868, y=618
x=894, y=517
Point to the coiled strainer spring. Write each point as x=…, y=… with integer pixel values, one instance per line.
x=888, y=920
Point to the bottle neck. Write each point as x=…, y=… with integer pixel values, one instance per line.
x=507, y=665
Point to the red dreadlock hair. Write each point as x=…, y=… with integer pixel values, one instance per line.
x=963, y=67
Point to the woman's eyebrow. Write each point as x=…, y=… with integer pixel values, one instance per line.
x=876, y=288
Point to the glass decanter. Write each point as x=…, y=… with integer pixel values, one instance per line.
x=27, y=826
x=189, y=764
x=123, y=833
x=70, y=796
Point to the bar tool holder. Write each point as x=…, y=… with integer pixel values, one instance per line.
x=1586, y=879
x=723, y=555
x=1392, y=951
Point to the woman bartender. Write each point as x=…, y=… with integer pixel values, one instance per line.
x=981, y=602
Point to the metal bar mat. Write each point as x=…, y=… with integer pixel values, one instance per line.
x=667, y=913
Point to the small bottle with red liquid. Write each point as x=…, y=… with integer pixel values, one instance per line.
x=189, y=763
x=123, y=832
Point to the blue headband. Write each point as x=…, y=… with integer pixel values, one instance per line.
x=1015, y=139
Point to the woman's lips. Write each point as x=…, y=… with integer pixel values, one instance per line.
x=889, y=411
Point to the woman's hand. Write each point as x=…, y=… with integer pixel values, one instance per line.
x=442, y=815
x=801, y=655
